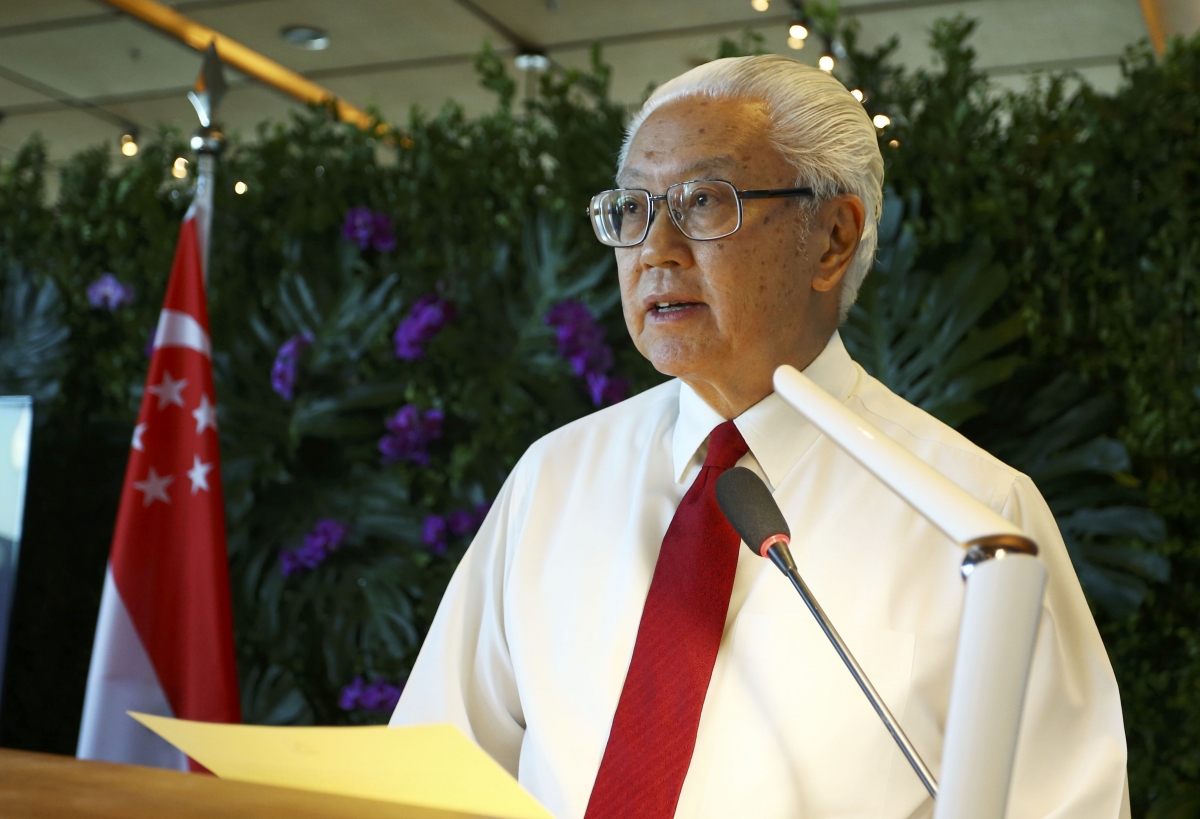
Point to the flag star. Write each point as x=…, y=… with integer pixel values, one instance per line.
x=199, y=474
x=154, y=487
x=205, y=415
x=169, y=391
x=138, y=432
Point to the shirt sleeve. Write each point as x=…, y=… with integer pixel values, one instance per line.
x=1071, y=752
x=464, y=673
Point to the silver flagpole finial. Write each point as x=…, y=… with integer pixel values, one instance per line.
x=207, y=142
x=210, y=87
x=207, y=94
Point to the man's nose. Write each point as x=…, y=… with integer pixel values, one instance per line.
x=665, y=245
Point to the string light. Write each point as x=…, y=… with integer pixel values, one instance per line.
x=881, y=121
x=179, y=169
x=239, y=187
x=895, y=143
x=858, y=95
x=826, y=63
x=129, y=146
x=760, y=5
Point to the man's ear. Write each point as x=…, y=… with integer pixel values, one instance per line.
x=838, y=228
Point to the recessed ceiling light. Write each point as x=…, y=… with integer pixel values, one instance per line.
x=308, y=37
x=531, y=62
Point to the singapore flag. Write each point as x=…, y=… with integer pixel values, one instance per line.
x=164, y=639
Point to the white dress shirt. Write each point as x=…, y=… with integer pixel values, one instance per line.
x=531, y=645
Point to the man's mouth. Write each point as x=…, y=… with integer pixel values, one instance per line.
x=672, y=306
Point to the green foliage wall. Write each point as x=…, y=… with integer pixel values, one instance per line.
x=485, y=213
x=1036, y=285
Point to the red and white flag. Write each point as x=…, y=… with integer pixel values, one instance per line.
x=164, y=639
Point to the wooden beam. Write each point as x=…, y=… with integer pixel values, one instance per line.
x=1154, y=25
x=234, y=54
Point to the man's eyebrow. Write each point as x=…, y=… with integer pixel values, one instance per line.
x=695, y=170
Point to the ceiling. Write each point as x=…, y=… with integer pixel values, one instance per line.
x=81, y=73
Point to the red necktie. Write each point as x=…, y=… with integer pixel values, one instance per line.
x=654, y=729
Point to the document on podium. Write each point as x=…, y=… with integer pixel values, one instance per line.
x=425, y=766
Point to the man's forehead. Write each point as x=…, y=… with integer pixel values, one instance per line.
x=653, y=164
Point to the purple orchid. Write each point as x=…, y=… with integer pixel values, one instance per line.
x=433, y=533
x=568, y=312
x=351, y=694
x=358, y=227
x=438, y=529
x=581, y=341
x=109, y=293
x=377, y=696
x=382, y=236
x=283, y=371
x=429, y=314
x=595, y=360
x=460, y=521
x=325, y=538
x=409, y=432
x=367, y=228
x=607, y=389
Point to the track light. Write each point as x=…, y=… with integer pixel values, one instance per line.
x=760, y=5
x=179, y=169
x=881, y=121
x=858, y=95
x=826, y=63
x=129, y=146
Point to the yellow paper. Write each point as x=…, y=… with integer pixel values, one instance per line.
x=430, y=766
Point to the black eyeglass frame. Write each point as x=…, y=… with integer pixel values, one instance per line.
x=739, y=195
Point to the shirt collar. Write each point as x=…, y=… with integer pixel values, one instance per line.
x=777, y=434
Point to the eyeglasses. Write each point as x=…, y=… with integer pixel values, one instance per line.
x=703, y=210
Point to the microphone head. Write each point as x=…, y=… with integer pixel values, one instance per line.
x=748, y=506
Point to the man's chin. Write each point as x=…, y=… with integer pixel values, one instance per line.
x=676, y=358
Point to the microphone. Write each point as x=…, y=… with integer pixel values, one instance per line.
x=747, y=504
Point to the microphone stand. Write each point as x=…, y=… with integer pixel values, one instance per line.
x=781, y=556
x=1002, y=605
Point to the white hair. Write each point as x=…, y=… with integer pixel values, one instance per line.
x=816, y=124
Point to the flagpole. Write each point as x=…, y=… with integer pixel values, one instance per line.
x=207, y=142
x=164, y=635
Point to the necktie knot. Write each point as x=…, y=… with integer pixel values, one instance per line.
x=726, y=446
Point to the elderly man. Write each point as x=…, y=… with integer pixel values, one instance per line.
x=608, y=641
